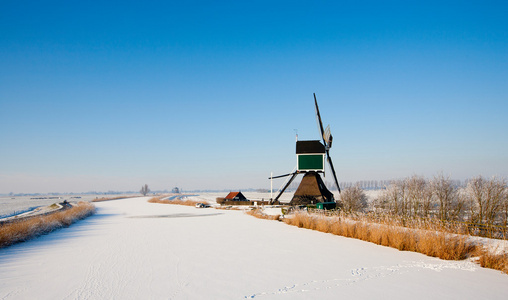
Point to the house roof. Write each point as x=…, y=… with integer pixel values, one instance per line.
x=232, y=195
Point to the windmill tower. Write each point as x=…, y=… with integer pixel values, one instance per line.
x=310, y=158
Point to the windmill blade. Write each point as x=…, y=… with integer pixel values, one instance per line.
x=333, y=170
x=327, y=141
x=321, y=129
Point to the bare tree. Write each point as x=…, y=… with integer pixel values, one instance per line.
x=354, y=199
x=404, y=207
x=419, y=196
x=485, y=199
x=447, y=196
x=144, y=190
x=391, y=199
x=504, y=211
x=474, y=195
x=496, y=194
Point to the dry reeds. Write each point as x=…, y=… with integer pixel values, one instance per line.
x=112, y=198
x=177, y=201
x=424, y=239
x=26, y=229
x=494, y=261
x=228, y=207
x=260, y=215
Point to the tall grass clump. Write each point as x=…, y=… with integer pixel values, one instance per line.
x=177, y=201
x=496, y=261
x=260, y=215
x=25, y=229
x=229, y=207
x=112, y=198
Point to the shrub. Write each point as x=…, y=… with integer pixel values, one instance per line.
x=494, y=261
x=353, y=199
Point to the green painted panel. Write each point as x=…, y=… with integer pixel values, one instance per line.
x=310, y=162
x=326, y=205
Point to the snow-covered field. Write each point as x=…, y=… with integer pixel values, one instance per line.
x=132, y=249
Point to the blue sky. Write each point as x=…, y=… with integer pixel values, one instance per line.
x=208, y=94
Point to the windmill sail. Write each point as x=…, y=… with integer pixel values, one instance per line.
x=333, y=170
x=326, y=135
x=320, y=123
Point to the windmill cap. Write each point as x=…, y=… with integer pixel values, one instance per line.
x=303, y=147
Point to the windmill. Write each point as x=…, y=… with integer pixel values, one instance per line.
x=310, y=156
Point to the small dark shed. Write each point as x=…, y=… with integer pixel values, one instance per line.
x=235, y=196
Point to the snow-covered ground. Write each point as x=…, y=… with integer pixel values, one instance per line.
x=15, y=204
x=132, y=249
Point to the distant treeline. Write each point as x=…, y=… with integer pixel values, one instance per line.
x=381, y=184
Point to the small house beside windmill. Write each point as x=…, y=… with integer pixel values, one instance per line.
x=235, y=196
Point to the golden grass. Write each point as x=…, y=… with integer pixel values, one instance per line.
x=490, y=260
x=260, y=215
x=228, y=207
x=112, y=198
x=23, y=230
x=177, y=201
x=423, y=239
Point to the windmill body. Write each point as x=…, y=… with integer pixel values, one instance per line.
x=311, y=156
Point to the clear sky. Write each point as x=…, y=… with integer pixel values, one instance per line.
x=208, y=94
